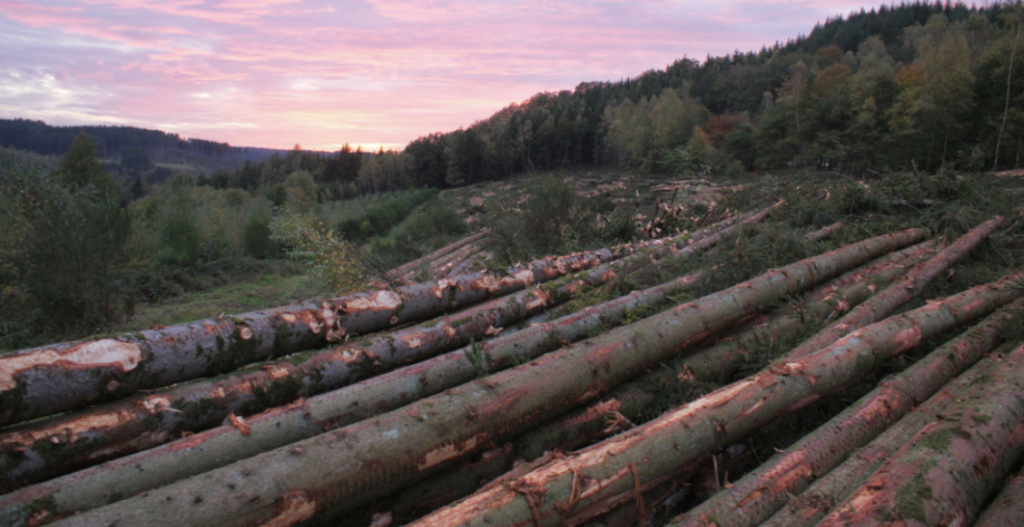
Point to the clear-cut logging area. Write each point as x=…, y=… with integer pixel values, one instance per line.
x=34, y=453
x=68, y=376
x=468, y=415
x=345, y=468
x=595, y=480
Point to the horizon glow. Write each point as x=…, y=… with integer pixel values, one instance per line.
x=371, y=73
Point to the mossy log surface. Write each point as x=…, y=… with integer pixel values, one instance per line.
x=1008, y=507
x=809, y=507
x=225, y=444
x=717, y=362
x=887, y=302
x=346, y=468
x=598, y=479
x=945, y=474
x=58, y=446
x=62, y=377
x=758, y=495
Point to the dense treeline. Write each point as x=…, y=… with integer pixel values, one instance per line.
x=916, y=87
x=114, y=141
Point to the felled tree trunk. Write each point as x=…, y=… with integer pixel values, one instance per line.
x=598, y=479
x=414, y=266
x=948, y=470
x=62, y=377
x=439, y=269
x=807, y=509
x=58, y=446
x=887, y=302
x=281, y=426
x=47, y=449
x=761, y=493
x=824, y=232
x=465, y=264
x=720, y=361
x=348, y=467
x=1008, y=507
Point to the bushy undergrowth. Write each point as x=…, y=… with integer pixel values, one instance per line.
x=184, y=225
x=428, y=227
x=554, y=219
x=378, y=219
x=336, y=264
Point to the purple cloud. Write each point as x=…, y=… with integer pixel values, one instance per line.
x=375, y=72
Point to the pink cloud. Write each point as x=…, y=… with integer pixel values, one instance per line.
x=322, y=73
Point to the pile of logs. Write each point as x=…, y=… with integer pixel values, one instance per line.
x=427, y=403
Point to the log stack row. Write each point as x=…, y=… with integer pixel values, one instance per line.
x=430, y=403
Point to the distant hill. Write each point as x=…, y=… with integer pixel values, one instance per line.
x=115, y=142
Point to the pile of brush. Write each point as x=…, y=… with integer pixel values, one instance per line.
x=385, y=407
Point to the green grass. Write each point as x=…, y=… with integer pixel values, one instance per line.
x=175, y=166
x=259, y=293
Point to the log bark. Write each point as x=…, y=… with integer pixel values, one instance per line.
x=593, y=481
x=949, y=469
x=343, y=469
x=465, y=264
x=281, y=426
x=1008, y=507
x=413, y=266
x=60, y=445
x=758, y=495
x=439, y=269
x=63, y=377
x=808, y=509
x=887, y=302
x=73, y=442
x=824, y=232
x=720, y=361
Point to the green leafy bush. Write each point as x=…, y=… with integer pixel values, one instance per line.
x=257, y=236
x=427, y=228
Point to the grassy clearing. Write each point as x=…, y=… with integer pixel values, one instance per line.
x=258, y=293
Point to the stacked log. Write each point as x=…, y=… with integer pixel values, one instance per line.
x=69, y=376
x=345, y=468
x=327, y=433
x=220, y=446
x=595, y=480
x=758, y=495
x=405, y=270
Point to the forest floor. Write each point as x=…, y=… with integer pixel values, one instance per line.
x=239, y=297
x=948, y=204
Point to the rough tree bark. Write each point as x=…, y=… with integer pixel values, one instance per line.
x=461, y=268
x=584, y=426
x=411, y=267
x=720, y=361
x=57, y=446
x=68, y=376
x=948, y=470
x=886, y=302
x=46, y=449
x=807, y=509
x=1008, y=507
x=345, y=468
x=758, y=495
x=596, y=480
x=439, y=268
x=824, y=232
x=281, y=426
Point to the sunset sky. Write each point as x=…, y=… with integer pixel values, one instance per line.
x=273, y=73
